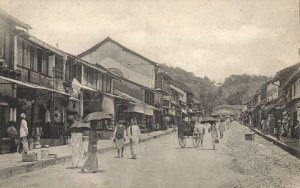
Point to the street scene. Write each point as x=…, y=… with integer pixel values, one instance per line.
x=163, y=163
x=149, y=94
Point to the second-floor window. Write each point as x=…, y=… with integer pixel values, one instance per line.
x=149, y=97
x=2, y=44
x=108, y=85
x=58, y=69
x=32, y=58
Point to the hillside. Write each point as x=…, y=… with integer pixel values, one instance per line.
x=232, y=91
x=202, y=88
x=239, y=87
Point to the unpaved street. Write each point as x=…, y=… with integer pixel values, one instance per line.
x=162, y=163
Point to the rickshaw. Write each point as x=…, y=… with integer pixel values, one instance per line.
x=186, y=130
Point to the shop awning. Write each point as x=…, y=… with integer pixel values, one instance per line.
x=140, y=109
x=88, y=88
x=31, y=85
x=128, y=97
x=108, y=105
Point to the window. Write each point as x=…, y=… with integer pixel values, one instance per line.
x=20, y=52
x=74, y=71
x=26, y=55
x=2, y=44
x=100, y=80
x=32, y=58
x=149, y=97
x=39, y=60
x=45, y=63
x=58, y=69
x=108, y=85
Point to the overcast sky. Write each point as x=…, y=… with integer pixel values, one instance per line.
x=213, y=38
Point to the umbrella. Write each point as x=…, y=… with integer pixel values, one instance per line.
x=96, y=116
x=208, y=119
x=80, y=124
x=167, y=119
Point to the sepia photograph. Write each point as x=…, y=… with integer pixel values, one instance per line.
x=149, y=94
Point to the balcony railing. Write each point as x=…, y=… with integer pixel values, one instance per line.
x=34, y=77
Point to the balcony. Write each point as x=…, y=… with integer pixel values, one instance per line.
x=34, y=77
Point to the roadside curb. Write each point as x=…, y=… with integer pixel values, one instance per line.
x=37, y=165
x=282, y=145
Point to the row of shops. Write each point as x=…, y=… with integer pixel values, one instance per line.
x=276, y=105
x=54, y=88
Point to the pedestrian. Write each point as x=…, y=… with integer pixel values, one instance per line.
x=134, y=135
x=23, y=134
x=91, y=163
x=221, y=128
x=227, y=123
x=119, y=137
x=213, y=133
x=262, y=123
x=13, y=133
x=297, y=130
x=199, y=131
x=279, y=130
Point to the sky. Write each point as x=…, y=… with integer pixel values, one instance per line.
x=213, y=38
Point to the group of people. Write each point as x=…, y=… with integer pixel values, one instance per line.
x=122, y=132
x=131, y=132
x=215, y=129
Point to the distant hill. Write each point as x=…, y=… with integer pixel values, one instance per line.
x=232, y=91
x=202, y=88
x=238, y=87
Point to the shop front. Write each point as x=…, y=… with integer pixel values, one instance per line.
x=144, y=116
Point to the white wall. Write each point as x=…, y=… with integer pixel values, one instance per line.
x=125, y=61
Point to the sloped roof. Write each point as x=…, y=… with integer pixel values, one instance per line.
x=283, y=71
x=125, y=48
x=9, y=18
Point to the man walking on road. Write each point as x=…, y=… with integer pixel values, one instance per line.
x=119, y=137
x=134, y=135
x=24, y=133
x=200, y=128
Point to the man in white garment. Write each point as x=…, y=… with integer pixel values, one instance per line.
x=24, y=133
x=134, y=135
x=200, y=131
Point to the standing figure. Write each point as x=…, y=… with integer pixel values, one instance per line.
x=91, y=163
x=200, y=129
x=119, y=137
x=213, y=133
x=221, y=128
x=134, y=135
x=297, y=130
x=24, y=133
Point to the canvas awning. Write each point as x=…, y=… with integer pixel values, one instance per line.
x=108, y=105
x=140, y=109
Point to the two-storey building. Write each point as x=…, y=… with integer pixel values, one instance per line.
x=292, y=89
x=50, y=86
x=137, y=78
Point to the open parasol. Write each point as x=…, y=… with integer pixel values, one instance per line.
x=166, y=119
x=94, y=116
x=80, y=124
x=208, y=119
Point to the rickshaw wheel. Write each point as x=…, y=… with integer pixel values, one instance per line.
x=196, y=142
x=182, y=142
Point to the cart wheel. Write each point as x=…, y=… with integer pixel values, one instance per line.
x=182, y=142
x=196, y=142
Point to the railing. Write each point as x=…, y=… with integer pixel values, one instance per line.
x=35, y=77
